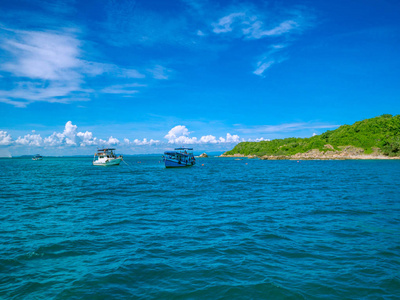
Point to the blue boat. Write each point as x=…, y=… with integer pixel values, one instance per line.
x=37, y=157
x=181, y=157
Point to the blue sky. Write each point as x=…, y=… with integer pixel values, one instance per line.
x=145, y=76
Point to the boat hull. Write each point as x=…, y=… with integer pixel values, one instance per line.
x=171, y=163
x=108, y=162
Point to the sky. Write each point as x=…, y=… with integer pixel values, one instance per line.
x=147, y=76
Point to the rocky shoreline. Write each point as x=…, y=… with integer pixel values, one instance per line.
x=346, y=153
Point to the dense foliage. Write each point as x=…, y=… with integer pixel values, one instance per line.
x=381, y=132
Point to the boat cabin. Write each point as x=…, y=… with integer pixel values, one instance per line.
x=106, y=153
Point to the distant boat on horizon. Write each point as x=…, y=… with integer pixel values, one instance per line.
x=37, y=157
x=181, y=157
x=106, y=157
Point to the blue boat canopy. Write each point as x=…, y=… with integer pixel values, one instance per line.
x=170, y=152
x=173, y=153
x=183, y=148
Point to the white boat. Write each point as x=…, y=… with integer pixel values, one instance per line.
x=106, y=157
x=37, y=157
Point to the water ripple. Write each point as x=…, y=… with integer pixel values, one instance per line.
x=245, y=229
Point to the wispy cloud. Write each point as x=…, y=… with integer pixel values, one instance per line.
x=250, y=24
x=127, y=89
x=224, y=24
x=256, y=30
x=48, y=66
x=97, y=68
x=262, y=66
x=42, y=55
x=160, y=72
x=272, y=56
x=287, y=127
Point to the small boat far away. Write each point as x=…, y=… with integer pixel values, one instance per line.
x=106, y=157
x=181, y=157
x=37, y=157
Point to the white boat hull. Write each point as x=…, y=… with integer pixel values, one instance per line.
x=107, y=162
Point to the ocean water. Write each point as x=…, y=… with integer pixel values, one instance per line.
x=224, y=229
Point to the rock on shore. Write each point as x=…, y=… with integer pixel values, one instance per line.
x=203, y=155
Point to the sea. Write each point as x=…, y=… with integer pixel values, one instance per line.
x=223, y=229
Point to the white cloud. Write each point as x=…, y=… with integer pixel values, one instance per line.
x=110, y=141
x=70, y=130
x=72, y=137
x=176, y=132
x=208, y=139
x=5, y=138
x=258, y=140
x=232, y=138
x=145, y=142
x=56, y=139
x=184, y=140
x=261, y=139
x=30, y=140
x=180, y=135
x=87, y=139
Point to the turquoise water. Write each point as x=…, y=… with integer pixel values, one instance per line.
x=229, y=229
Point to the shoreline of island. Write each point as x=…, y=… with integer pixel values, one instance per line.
x=348, y=153
x=293, y=157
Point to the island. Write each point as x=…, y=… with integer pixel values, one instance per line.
x=375, y=138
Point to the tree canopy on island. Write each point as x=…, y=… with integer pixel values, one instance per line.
x=381, y=132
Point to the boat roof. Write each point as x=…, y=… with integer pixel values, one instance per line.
x=174, y=153
x=106, y=149
x=182, y=148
